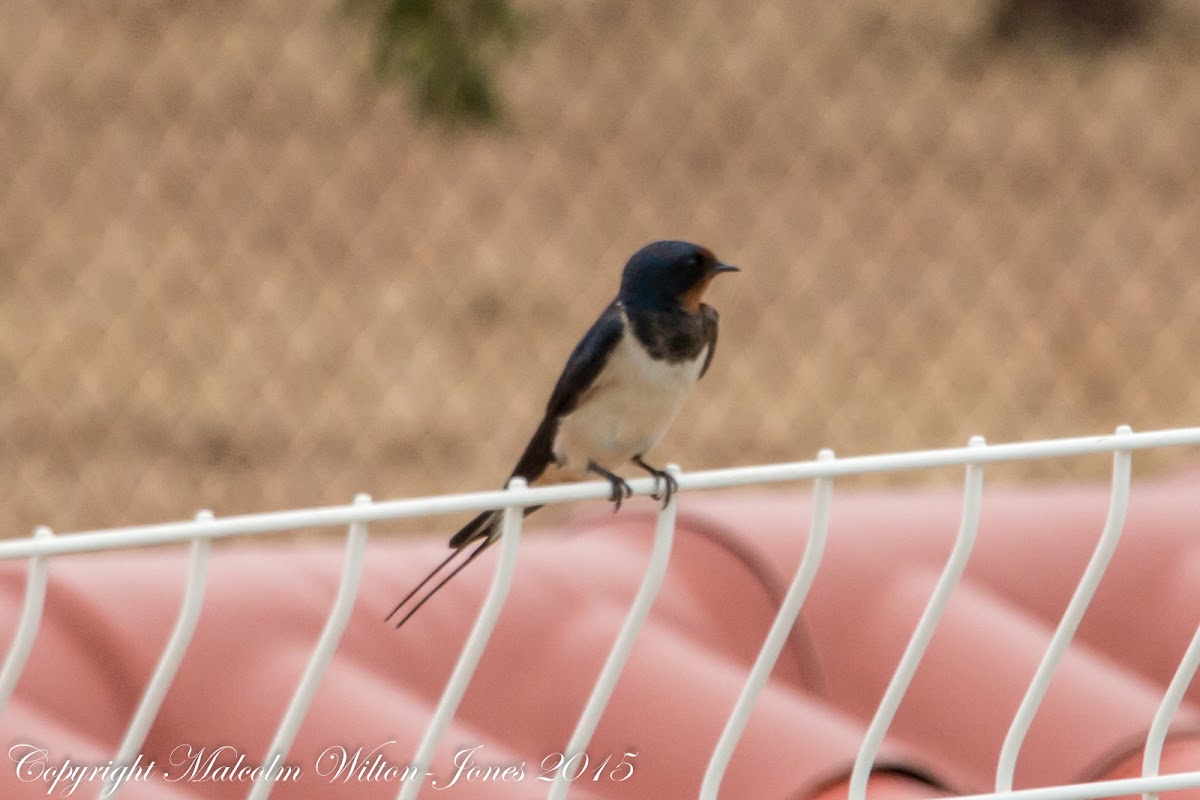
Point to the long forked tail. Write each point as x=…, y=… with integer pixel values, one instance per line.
x=428, y=595
x=486, y=526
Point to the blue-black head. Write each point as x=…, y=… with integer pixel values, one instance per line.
x=669, y=274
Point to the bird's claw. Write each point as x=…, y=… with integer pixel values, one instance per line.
x=620, y=492
x=672, y=486
x=662, y=478
x=620, y=489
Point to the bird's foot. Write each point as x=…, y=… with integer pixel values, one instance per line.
x=620, y=489
x=662, y=478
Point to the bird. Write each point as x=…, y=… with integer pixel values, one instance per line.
x=622, y=386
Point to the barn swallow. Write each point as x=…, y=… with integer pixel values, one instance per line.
x=619, y=391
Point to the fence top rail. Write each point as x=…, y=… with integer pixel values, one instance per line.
x=327, y=516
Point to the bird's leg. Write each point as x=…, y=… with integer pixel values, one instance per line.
x=666, y=478
x=620, y=489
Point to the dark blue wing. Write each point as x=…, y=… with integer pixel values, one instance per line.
x=586, y=361
x=583, y=366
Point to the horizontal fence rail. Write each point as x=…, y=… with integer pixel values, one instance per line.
x=40, y=548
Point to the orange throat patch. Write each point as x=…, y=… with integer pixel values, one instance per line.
x=690, y=299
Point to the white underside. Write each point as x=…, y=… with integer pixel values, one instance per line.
x=628, y=409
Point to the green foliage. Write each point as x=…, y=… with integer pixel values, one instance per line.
x=1088, y=24
x=448, y=50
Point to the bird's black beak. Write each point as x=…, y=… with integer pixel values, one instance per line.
x=722, y=267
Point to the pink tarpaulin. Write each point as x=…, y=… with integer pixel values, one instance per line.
x=108, y=616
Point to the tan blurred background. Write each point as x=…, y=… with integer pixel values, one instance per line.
x=237, y=271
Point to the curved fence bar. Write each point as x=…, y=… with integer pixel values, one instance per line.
x=331, y=634
x=1171, y=701
x=777, y=636
x=31, y=619
x=656, y=571
x=886, y=711
x=1118, y=505
x=168, y=662
x=468, y=659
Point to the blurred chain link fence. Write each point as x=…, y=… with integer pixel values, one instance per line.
x=237, y=272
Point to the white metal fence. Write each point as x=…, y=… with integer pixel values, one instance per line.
x=43, y=546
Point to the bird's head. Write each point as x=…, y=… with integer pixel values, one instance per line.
x=663, y=275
